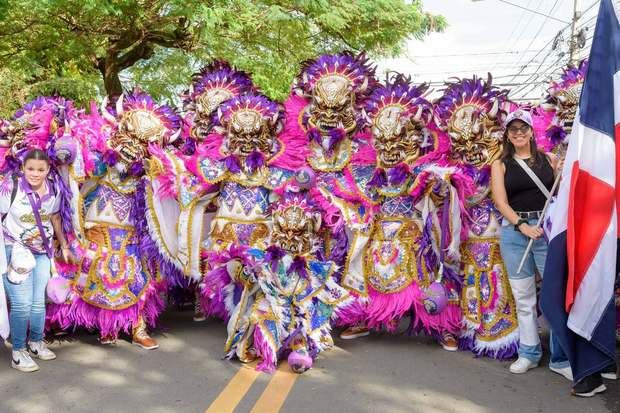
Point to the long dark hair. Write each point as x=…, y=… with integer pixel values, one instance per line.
x=508, y=149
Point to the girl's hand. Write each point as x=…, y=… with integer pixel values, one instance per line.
x=67, y=255
x=531, y=231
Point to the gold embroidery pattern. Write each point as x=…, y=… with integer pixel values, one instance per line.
x=486, y=315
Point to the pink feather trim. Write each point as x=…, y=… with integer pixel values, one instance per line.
x=78, y=313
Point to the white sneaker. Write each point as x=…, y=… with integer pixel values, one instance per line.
x=21, y=361
x=567, y=372
x=522, y=365
x=40, y=350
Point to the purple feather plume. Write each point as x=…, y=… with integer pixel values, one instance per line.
x=232, y=164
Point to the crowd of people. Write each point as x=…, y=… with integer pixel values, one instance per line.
x=353, y=204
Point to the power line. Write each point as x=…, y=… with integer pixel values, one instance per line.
x=547, y=16
x=473, y=54
x=520, y=35
x=542, y=25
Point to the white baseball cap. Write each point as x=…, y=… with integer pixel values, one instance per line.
x=519, y=114
x=22, y=264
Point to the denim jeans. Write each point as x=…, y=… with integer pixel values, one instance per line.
x=512, y=246
x=27, y=302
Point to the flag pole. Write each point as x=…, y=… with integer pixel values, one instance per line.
x=540, y=219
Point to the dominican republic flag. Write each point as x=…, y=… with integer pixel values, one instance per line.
x=578, y=286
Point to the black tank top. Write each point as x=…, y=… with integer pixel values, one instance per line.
x=523, y=194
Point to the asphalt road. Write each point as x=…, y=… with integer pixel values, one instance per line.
x=377, y=374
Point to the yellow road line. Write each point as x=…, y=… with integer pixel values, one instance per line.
x=235, y=390
x=277, y=390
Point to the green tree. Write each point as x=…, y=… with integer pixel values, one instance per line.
x=77, y=47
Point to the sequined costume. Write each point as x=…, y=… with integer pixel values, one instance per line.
x=170, y=193
x=284, y=295
x=411, y=257
x=325, y=108
x=235, y=169
x=468, y=112
x=116, y=285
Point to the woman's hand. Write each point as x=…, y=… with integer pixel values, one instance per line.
x=530, y=231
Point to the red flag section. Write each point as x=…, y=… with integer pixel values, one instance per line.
x=590, y=208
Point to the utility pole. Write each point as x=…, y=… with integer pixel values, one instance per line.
x=572, y=44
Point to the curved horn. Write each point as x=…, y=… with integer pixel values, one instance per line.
x=364, y=85
x=494, y=109
x=104, y=111
x=175, y=136
x=418, y=115
x=119, y=105
x=438, y=122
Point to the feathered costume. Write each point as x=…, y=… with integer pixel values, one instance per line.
x=235, y=169
x=468, y=112
x=176, y=195
x=411, y=257
x=325, y=108
x=116, y=286
x=553, y=119
x=283, y=297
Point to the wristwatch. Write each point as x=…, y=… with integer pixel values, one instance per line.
x=519, y=222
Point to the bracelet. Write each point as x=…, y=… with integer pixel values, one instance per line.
x=519, y=222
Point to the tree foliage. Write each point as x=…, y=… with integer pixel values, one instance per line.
x=80, y=46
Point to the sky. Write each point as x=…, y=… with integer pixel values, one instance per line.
x=493, y=36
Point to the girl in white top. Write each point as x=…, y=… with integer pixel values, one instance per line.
x=30, y=203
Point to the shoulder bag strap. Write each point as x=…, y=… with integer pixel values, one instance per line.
x=533, y=176
x=36, y=206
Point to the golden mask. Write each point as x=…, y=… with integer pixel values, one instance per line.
x=247, y=130
x=476, y=136
x=295, y=229
x=332, y=104
x=136, y=129
x=397, y=137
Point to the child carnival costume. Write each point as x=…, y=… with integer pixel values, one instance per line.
x=325, y=109
x=468, y=112
x=288, y=294
x=116, y=285
x=411, y=258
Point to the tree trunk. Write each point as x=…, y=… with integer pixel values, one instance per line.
x=111, y=80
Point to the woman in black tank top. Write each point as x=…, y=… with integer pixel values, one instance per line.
x=521, y=199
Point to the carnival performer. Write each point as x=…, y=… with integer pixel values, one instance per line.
x=117, y=285
x=210, y=88
x=411, y=259
x=236, y=168
x=289, y=293
x=325, y=108
x=521, y=181
x=468, y=113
